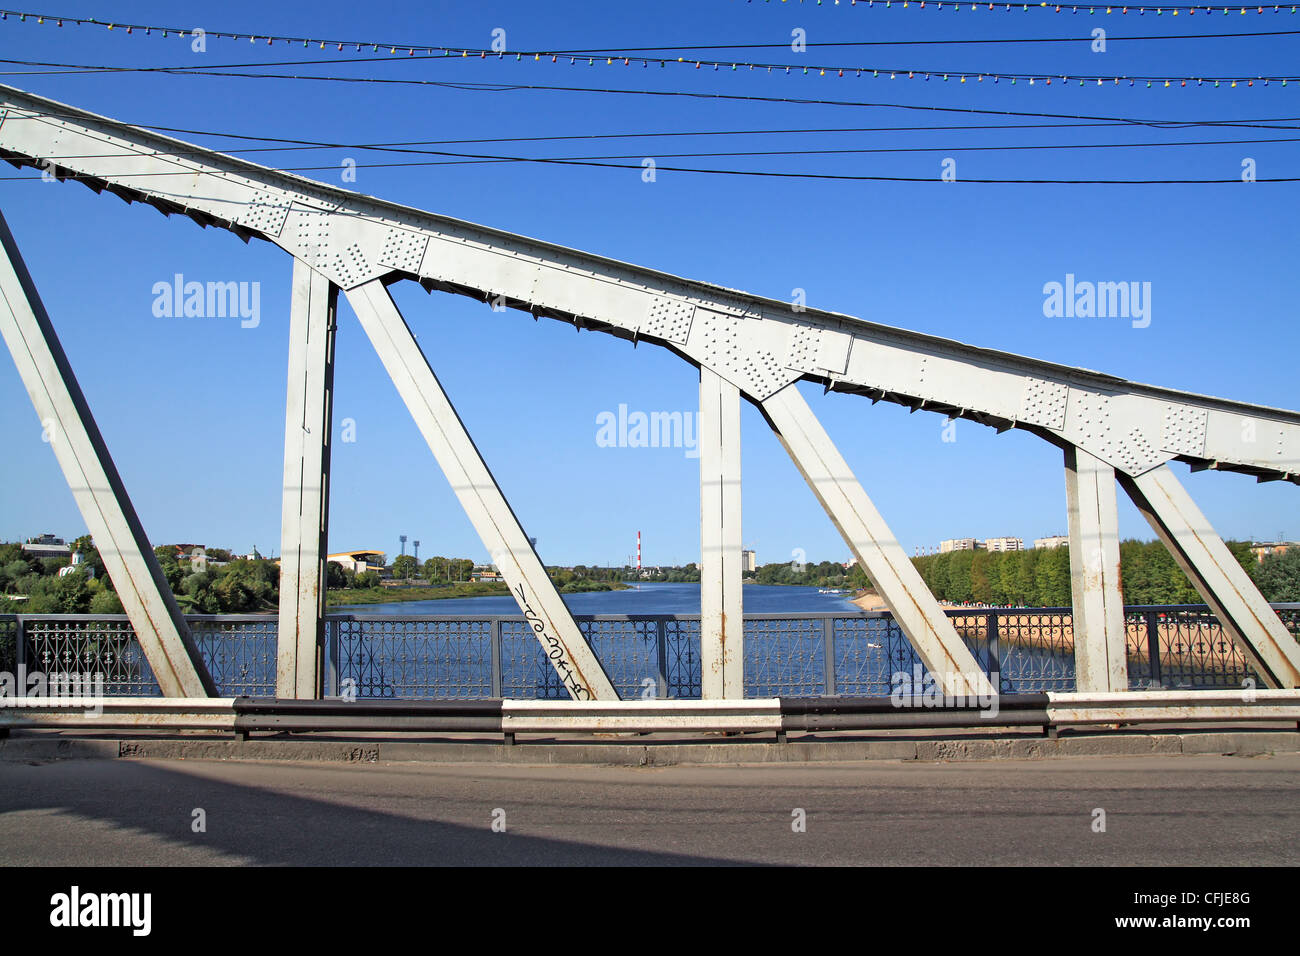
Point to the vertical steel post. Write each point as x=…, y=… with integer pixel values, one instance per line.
x=1254, y=627
x=333, y=683
x=96, y=486
x=495, y=638
x=304, y=514
x=828, y=656
x=1100, y=648
x=661, y=644
x=722, y=625
x=1153, y=647
x=497, y=526
x=918, y=614
x=991, y=632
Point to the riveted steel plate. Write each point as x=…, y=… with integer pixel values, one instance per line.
x=350, y=267
x=313, y=234
x=1184, y=430
x=265, y=217
x=1092, y=422
x=1044, y=403
x=1096, y=430
x=403, y=250
x=668, y=319
x=718, y=340
x=815, y=349
x=802, y=349
x=1134, y=454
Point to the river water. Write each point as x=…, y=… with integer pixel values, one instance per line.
x=781, y=658
x=647, y=599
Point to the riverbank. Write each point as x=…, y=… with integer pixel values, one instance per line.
x=382, y=595
x=869, y=601
x=1053, y=633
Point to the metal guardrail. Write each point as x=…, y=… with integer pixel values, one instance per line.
x=1049, y=711
x=458, y=657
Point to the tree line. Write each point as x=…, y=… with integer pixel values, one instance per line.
x=1040, y=577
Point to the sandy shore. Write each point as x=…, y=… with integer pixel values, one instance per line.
x=1182, y=643
x=870, y=602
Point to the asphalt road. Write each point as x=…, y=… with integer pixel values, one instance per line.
x=1169, y=810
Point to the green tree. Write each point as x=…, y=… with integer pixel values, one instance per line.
x=1052, y=577
x=72, y=594
x=435, y=568
x=335, y=576
x=247, y=585
x=1278, y=576
x=405, y=566
x=105, y=601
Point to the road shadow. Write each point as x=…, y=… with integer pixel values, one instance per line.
x=276, y=829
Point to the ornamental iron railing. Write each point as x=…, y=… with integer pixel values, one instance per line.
x=655, y=655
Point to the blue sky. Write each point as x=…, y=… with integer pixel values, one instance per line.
x=192, y=409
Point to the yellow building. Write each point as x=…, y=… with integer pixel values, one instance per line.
x=359, y=561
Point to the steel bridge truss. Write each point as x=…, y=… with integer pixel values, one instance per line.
x=1109, y=430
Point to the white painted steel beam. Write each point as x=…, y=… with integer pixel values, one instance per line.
x=1226, y=587
x=722, y=624
x=757, y=343
x=304, y=519
x=1100, y=650
x=881, y=556
x=479, y=494
x=96, y=486
x=112, y=713
x=552, y=716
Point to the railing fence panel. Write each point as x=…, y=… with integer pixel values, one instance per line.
x=792, y=655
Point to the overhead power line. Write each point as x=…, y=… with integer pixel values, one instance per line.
x=658, y=154
x=458, y=158
x=1267, y=123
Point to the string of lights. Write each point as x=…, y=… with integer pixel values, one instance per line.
x=1030, y=79
x=626, y=59
x=1173, y=9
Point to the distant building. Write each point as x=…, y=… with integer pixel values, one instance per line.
x=1053, y=541
x=1004, y=544
x=47, y=546
x=358, y=562
x=748, y=561
x=485, y=573
x=1262, y=549
x=959, y=544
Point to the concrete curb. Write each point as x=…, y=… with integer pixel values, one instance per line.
x=658, y=754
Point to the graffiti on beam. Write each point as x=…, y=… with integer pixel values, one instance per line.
x=555, y=649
